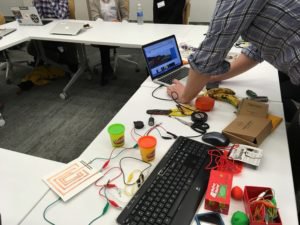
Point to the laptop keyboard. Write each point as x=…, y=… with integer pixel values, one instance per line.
x=178, y=74
x=173, y=191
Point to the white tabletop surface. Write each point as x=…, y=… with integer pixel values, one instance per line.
x=274, y=171
x=107, y=33
x=13, y=38
x=22, y=186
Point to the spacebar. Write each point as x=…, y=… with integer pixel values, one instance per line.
x=176, y=204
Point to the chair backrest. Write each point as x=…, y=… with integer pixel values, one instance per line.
x=71, y=9
x=2, y=19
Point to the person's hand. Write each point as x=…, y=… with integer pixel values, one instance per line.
x=175, y=90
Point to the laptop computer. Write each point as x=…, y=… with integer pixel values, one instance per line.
x=28, y=16
x=67, y=28
x=164, y=61
x=6, y=31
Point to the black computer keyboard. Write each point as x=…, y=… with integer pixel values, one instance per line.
x=178, y=74
x=173, y=191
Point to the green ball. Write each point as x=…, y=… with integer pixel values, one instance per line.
x=239, y=218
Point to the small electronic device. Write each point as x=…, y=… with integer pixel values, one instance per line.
x=151, y=121
x=138, y=124
x=28, y=15
x=215, y=138
x=67, y=28
x=164, y=61
x=246, y=154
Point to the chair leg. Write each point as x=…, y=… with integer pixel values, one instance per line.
x=126, y=58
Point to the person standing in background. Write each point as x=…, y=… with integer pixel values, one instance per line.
x=170, y=11
x=108, y=10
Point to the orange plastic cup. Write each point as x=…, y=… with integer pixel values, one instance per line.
x=147, y=145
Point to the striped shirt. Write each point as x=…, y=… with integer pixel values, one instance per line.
x=58, y=9
x=271, y=26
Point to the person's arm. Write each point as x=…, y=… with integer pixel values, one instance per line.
x=237, y=67
x=60, y=8
x=231, y=18
x=196, y=81
x=185, y=94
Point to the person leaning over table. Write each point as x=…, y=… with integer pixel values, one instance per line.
x=108, y=10
x=60, y=52
x=272, y=27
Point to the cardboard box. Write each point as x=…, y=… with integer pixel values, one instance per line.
x=251, y=125
x=250, y=194
x=217, y=197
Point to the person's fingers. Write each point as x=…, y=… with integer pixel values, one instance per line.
x=175, y=81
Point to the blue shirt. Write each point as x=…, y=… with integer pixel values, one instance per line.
x=271, y=26
x=58, y=9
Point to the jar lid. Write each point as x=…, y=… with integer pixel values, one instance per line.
x=116, y=128
x=147, y=142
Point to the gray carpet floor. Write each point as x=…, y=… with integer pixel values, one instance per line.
x=39, y=123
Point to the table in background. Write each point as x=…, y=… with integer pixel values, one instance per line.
x=122, y=34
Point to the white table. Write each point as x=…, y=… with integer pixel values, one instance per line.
x=274, y=171
x=21, y=187
x=101, y=33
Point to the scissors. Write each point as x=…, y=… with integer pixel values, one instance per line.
x=197, y=126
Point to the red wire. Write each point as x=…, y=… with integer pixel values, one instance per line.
x=108, y=171
x=222, y=162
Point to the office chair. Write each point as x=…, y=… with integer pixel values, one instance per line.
x=7, y=63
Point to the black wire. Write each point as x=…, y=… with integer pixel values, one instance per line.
x=163, y=137
x=134, y=130
x=179, y=104
x=45, y=210
x=164, y=99
x=121, y=151
x=128, y=157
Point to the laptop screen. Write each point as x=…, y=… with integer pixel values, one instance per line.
x=162, y=56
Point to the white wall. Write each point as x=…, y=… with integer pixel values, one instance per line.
x=201, y=10
x=5, y=6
